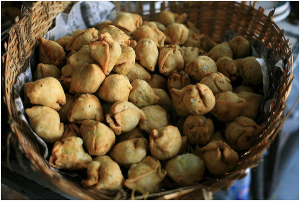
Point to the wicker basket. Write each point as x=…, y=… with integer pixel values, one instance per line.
x=213, y=19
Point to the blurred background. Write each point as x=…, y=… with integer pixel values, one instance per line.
x=275, y=178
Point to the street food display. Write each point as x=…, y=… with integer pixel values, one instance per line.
x=131, y=101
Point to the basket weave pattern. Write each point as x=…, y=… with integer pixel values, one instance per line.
x=213, y=19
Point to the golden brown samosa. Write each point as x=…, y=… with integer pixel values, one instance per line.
x=82, y=38
x=50, y=52
x=46, y=123
x=104, y=174
x=97, y=138
x=106, y=51
x=46, y=91
x=124, y=117
x=68, y=153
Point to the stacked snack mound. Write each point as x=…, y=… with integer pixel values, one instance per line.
x=146, y=105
